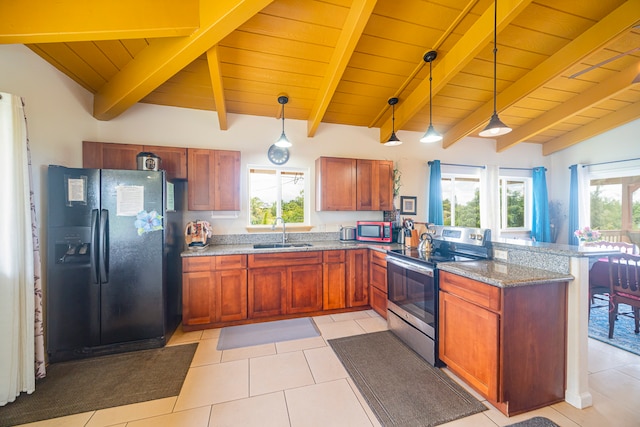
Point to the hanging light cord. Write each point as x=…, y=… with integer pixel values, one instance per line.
x=393, y=118
x=495, y=53
x=430, y=92
x=283, y=119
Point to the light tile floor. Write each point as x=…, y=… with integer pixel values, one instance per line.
x=302, y=383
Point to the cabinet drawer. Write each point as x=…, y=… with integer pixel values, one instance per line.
x=334, y=256
x=280, y=259
x=378, y=277
x=198, y=263
x=471, y=290
x=379, y=258
x=228, y=262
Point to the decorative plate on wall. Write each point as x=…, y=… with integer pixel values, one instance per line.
x=278, y=155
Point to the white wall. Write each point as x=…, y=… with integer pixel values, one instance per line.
x=59, y=119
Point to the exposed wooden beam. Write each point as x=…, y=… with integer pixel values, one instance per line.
x=165, y=57
x=216, y=83
x=351, y=31
x=601, y=33
x=445, y=69
x=46, y=21
x=601, y=125
x=575, y=105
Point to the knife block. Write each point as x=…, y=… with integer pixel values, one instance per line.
x=414, y=240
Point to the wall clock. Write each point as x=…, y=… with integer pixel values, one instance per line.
x=278, y=155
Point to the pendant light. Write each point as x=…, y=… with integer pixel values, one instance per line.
x=431, y=135
x=495, y=126
x=283, y=142
x=393, y=139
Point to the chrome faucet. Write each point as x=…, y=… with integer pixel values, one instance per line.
x=273, y=227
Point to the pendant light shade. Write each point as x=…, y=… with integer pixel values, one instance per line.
x=495, y=126
x=283, y=141
x=431, y=135
x=393, y=139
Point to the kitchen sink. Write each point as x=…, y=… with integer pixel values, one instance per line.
x=279, y=245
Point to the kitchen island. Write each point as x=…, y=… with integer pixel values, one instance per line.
x=563, y=259
x=502, y=329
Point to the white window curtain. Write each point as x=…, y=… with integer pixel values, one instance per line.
x=490, y=199
x=22, y=349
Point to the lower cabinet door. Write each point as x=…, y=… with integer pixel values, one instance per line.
x=231, y=295
x=267, y=291
x=462, y=323
x=304, y=290
x=198, y=298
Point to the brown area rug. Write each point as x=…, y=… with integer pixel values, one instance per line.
x=401, y=388
x=102, y=382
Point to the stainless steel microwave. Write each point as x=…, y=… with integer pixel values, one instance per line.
x=374, y=231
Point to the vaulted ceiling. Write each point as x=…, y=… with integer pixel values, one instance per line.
x=565, y=68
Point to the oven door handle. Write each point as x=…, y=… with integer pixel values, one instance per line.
x=411, y=266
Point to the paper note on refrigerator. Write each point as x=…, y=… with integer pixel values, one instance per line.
x=129, y=200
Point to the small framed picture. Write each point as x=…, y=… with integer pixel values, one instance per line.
x=408, y=205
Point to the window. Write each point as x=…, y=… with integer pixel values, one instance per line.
x=615, y=203
x=277, y=192
x=515, y=196
x=461, y=200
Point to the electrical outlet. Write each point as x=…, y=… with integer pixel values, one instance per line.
x=501, y=268
x=498, y=254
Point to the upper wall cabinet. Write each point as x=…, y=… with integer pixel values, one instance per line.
x=335, y=184
x=374, y=185
x=213, y=180
x=104, y=155
x=353, y=184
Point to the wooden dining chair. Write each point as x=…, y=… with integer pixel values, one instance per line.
x=624, y=287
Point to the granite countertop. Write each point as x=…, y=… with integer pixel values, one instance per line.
x=323, y=245
x=552, y=248
x=503, y=275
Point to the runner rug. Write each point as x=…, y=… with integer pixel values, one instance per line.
x=102, y=382
x=266, y=332
x=401, y=388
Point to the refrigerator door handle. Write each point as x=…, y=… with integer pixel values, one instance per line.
x=104, y=246
x=93, y=259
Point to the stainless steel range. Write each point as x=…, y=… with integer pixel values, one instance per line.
x=412, y=311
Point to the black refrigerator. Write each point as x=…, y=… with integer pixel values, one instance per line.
x=113, y=261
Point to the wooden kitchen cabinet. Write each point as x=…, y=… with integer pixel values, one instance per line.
x=334, y=279
x=378, y=293
x=344, y=184
x=106, y=155
x=507, y=343
x=213, y=180
x=214, y=289
x=284, y=283
x=357, y=277
x=335, y=184
x=374, y=179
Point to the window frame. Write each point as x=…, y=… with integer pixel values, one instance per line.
x=306, y=173
x=453, y=176
x=528, y=202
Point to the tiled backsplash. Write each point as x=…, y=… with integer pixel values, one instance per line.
x=250, y=238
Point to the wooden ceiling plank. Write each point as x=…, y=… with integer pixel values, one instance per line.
x=46, y=21
x=352, y=29
x=610, y=27
x=444, y=69
x=579, y=103
x=165, y=57
x=589, y=130
x=218, y=88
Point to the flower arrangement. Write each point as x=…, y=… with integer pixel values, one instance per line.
x=148, y=221
x=586, y=234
